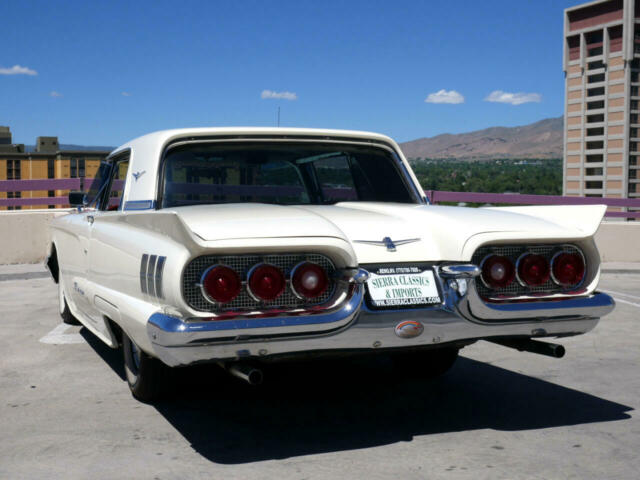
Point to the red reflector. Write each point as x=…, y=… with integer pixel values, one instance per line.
x=266, y=282
x=497, y=271
x=309, y=280
x=567, y=269
x=533, y=270
x=221, y=284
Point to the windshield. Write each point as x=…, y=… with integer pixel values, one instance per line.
x=281, y=173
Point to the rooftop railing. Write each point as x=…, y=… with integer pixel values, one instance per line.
x=435, y=196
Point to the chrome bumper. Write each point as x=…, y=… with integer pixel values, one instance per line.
x=461, y=317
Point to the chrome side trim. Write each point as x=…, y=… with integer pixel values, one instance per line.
x=151, y=269
x=139, y=205
x=158, y=276
x=143, y=273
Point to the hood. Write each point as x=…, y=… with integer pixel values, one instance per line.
x=432, y=232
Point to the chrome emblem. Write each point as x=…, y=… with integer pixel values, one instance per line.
x=409, y=329
x=387, y=242
x=137, y=175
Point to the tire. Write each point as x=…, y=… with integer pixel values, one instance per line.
x=65, y=313
x=144, y=374
x=426, y=364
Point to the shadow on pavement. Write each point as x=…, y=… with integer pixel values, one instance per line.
x=331, y=406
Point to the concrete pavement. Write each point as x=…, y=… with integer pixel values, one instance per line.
x=66, y=412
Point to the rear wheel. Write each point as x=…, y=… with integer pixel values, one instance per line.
x=144, y=373
x=65, y=313
x=426, y=364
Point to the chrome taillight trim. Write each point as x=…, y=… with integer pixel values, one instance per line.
x=584, y=274
x=205, y=294
x=519, y=290
x=292, y=274
x=248, y=283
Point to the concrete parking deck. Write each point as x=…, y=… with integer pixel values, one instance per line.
x=66, y=412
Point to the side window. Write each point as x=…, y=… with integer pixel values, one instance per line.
x=98, y=185
x=335, y=179
x=117, y=185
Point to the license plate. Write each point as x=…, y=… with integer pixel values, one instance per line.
x=403, y=286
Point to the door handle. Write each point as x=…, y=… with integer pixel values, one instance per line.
x=90, y=219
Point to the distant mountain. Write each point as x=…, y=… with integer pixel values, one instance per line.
x=70, y=146
x=542, y=139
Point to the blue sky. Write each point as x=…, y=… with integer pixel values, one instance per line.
x=100, y=73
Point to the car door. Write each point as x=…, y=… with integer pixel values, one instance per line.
x=107, y=251
x=76, y=246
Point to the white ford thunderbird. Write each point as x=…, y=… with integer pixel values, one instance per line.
x=243, y=246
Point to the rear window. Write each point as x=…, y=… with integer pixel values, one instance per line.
x=280, y=173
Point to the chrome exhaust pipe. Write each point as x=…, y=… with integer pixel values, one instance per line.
x=246, y=372
x=534, y=346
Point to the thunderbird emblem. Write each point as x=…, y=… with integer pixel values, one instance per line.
x=137, y=175
x=387, y=242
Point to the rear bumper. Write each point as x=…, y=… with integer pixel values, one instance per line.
x=356, y=327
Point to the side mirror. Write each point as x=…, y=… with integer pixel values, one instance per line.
x=77, y=199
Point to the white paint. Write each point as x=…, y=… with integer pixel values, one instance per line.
x=626, y=302
x=635, y=297
x=57, y=336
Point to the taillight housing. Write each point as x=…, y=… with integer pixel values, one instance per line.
x=567, y=269
x=309, y=280
x=533, y=270
x=497, y=271
x=220, y=284
x=265, y=282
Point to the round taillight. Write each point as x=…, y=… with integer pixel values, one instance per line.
x=533, y=270
x=497, y=271
x=567, y=269
x=309, y=280
x=220, y=284
x=266, y=282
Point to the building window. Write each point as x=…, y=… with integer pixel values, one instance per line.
x=593, y=184
x=593, y=195
x=595, y=65
x=633, y=147
x=51, y=168
x=633, y=160
x=633, y=188
x=592, y=92
x=599, y=77
x=633, y=132
x=634, y=91
x=634, y=104
x=594, y=158
x=77, y=168
x=14, y=195
x=593, y=171
x=595, y=145
x=595, y=118
x=595, y=131
x=13, y=170
x=592, y=52
x=597, y=105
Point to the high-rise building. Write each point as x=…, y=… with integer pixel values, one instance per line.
x=602, y=130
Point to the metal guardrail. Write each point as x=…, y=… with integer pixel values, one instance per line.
x=435, y=196
x=41, y=185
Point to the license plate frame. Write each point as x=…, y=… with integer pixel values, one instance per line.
x=389, y=273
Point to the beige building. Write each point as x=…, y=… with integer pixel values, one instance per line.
x=47, y=162
x=602, y=67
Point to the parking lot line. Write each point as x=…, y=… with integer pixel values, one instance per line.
x=57, y=336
